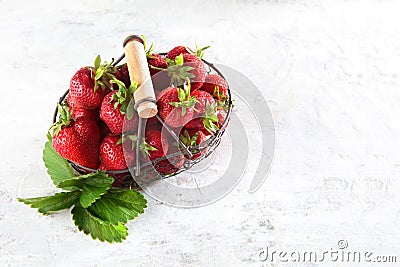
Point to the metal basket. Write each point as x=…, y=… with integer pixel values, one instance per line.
x=166, y=166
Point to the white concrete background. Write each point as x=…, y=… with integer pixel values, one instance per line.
x=330, y=73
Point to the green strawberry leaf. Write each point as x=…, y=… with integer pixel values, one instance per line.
x=64, y=119
x=57, y=167
x=129, y=112
x=97, y=228
x=179, y=60
x=146, y=148
x=97, y=62
x=59, y=201
x=99, y=73
x=92, y=185
x=118, y=206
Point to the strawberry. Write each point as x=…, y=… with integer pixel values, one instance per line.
x=202, y=99
x=173, y=163
x=187, y=66
x=112, y=155
x=176, y=51
x=216, y=86
x=77, y=141
x=193, y=138
x=122, y=74
x=161, y=80
x=156, y=62
x=153, y=123
x=155, y=144
x=175, y=106
x=84, y=88
x=221, y=115
x=114, y=108
x=205, y=117
x=77, y=112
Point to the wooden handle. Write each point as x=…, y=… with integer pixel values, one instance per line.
x=139, y=72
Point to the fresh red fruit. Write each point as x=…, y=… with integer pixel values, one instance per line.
x=176, y=51
x=173, y=163
x=77, y=112
x=205, y=117
x=175, y=106
x=211, y=83
x=187, y=66
x=155, y=145
x=192, y=138
x=202, y=99
x=221, y=115
x=77, y=141
x=122, y=74
x=114, y=109
x=112, y=155
x=199, y=70
x=156, y=61
x=153, y=123
x=89, y=85
x=161, y=80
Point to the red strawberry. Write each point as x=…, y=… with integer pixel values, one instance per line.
x=202, y=99
x=77, y=112
x=176, y=51
x=156, y=61
x=161, y=80
x=221, y=115
x=112, y=154
x=192, y=138
x=84, y=86
x=114, y=109
x=153, y=123
x=206, y=117
x=77, y=141
x=199, y=70
x=216, y=86
x=155, y=145
x=175, y=106
x=187, y=66
x=122, y=74
x=173, y=163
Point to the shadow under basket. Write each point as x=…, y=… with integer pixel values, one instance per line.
x=171, y=164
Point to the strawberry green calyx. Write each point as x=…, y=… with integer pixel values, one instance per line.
x=144, y=147
x=188, y=140
x=177, y=71
x=63, y=120
x=148, y=50
x=103, y=74
x=123, y=96
x=210, y=119
x=185, y=99
x=222, y=100
x=199, y=51
x=131, y=137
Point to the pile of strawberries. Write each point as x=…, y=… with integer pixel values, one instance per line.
x=95, y=121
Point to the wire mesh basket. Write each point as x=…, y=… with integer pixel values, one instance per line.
x=171, y=164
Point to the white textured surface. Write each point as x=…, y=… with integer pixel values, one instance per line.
x=330, y=72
